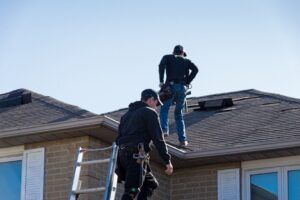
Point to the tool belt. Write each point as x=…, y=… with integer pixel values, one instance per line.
x=176, y=81
x=141, y=156
x=128, y=147
x=138, y=151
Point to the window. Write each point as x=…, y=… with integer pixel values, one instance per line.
x=10, y=178
x=292, y=180
x=11, y=172
x=272, y=179
x=21, y=173
x=264, y=185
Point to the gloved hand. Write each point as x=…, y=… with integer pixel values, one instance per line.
x=161, y=84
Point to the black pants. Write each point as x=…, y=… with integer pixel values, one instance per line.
x=139, y=180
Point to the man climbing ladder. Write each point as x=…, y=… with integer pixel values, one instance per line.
x=137, y=128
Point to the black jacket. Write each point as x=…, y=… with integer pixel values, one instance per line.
x=177, y=69
x=141, y=124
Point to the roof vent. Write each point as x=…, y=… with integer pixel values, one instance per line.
x=15, y=99
x=214, y=104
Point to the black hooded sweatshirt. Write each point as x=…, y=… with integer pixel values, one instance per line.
x=141, y=124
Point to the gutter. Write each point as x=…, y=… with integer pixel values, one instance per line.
x=229, y=152
x=80, y=123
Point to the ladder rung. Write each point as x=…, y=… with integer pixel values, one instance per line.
x=100, y=149
x=89, y=190
x=106, y=160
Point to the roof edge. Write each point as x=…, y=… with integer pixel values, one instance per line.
x=182, y=153
x=238, y=150
x=97, y=120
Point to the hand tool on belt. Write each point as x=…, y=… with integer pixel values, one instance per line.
x=141, y=156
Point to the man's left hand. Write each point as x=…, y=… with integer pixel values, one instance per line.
x=169, y=169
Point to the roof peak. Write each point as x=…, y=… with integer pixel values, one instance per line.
x=16, y=91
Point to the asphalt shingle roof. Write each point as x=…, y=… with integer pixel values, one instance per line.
x=42, y=110
x=256, y=118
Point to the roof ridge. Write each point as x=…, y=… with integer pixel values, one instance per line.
x=254, y=91
x=121, y=109
x=15, y=91
x=225, y=93
x=279, y=96
x=44, y=99
x=23, y=90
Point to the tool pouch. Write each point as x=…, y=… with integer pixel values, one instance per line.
x=165, y=92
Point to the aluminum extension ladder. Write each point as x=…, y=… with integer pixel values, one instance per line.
x=111, y=178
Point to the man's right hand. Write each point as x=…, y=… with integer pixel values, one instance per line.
x=169, y=169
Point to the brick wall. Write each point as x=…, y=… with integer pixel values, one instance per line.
x=59, y=161
x=199, y=183
x=60, y=156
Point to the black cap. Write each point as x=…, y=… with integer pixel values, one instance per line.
x=178, y=49
x=150, y=93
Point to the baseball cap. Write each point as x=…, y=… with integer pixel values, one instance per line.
x=151, y=93
x=178, y=49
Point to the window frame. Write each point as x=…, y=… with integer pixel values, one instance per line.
x=9, y=152
x=263, y=171
x=9, y=159
x=280, y=165
x=285, y=179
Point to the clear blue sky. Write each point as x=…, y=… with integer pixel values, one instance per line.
x=100, y=55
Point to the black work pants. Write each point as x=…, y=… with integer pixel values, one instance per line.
x=139, y=181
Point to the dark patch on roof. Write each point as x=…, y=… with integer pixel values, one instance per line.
x=214, y=104
x=15, y=98
x=40, y=110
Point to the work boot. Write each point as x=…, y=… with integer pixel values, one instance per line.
x=183, y=143
x=165, y=133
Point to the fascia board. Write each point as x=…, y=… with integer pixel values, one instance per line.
x=238, y=150
x=98, y=120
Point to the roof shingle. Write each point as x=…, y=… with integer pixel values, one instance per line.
x=42, y=110
x=256, y=119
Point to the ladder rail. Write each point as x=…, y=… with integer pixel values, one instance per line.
x=75, y=183
x=111, y=178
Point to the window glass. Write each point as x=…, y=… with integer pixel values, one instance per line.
x=264, y=186
x=10, y=180
x=294, y=185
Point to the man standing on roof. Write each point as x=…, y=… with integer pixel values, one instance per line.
x=179, y=74
x=138, y=127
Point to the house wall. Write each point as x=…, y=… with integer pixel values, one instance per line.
x=60, y=156
x=198, y=183
x=59, y=161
